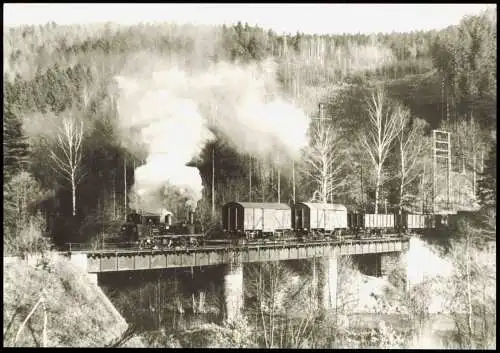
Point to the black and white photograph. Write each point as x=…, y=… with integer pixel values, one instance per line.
x=238, y=175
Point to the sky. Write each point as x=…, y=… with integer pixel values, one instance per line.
x=282, y=18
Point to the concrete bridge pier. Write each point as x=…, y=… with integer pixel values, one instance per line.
x=328, y=282
x=233, y=290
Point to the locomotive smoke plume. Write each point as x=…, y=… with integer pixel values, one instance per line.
x=175, y=111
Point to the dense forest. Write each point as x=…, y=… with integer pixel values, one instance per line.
x=69, y=170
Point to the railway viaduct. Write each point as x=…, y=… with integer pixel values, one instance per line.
x=382, y=252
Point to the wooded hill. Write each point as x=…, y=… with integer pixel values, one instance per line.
x=446, y=79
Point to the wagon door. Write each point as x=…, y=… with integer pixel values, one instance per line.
x=339, y=219
x=390, y=221
x=258, y=219
x=279, y=219
x=287, y=219
x=368, y=220
x=321, y=220
x=411, y=221
x=231, y=216
x=306, y=217
x=249, y=221
x=228, y=217
x=270, y=220
x=330, y=221
x=421, y=221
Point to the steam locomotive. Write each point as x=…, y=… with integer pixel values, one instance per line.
x=149, y=229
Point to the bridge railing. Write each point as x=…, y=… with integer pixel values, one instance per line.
x=100, y=246
x=90, y=246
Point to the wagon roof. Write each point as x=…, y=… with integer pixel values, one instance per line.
x=266, y=205
x=324, y=206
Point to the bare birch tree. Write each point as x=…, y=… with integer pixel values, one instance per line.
x=383, y=128
x=67, y=153
x=324, y=161
x=411, y=145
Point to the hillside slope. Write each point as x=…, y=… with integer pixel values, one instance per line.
x=77, y=312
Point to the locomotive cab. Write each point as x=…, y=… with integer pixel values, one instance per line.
x=130, y=229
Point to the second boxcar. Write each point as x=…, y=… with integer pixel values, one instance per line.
x=254, y=219
x=319, y=218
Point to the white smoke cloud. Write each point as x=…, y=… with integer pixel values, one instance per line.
x=174, y=108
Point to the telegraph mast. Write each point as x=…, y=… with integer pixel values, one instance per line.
x=250, y=180
x=441, y=149
x=125, y=187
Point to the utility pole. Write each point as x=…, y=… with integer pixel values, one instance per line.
x=125, y=188
x=279, y=176
x=293, y=163
x=250, y=180
x=213, y=167
x=262, y=182
x=114, y=194
x=213, y=181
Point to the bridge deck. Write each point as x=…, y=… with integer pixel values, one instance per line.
x=136, y=259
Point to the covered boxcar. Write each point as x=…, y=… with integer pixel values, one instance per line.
x=253, y=219
x=319, y=218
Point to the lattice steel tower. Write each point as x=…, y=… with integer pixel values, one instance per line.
x=441, y=151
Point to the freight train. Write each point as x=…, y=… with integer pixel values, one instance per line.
x=317, y=220
x=248, y=222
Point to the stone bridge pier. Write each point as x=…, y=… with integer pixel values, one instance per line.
x=327, y=282
x=233, y=290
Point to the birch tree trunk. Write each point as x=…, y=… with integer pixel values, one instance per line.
x=410, y=148
x=67, y=153
x=325, y=161
x=377, y=188
x=73, y=193
x=383, y=128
